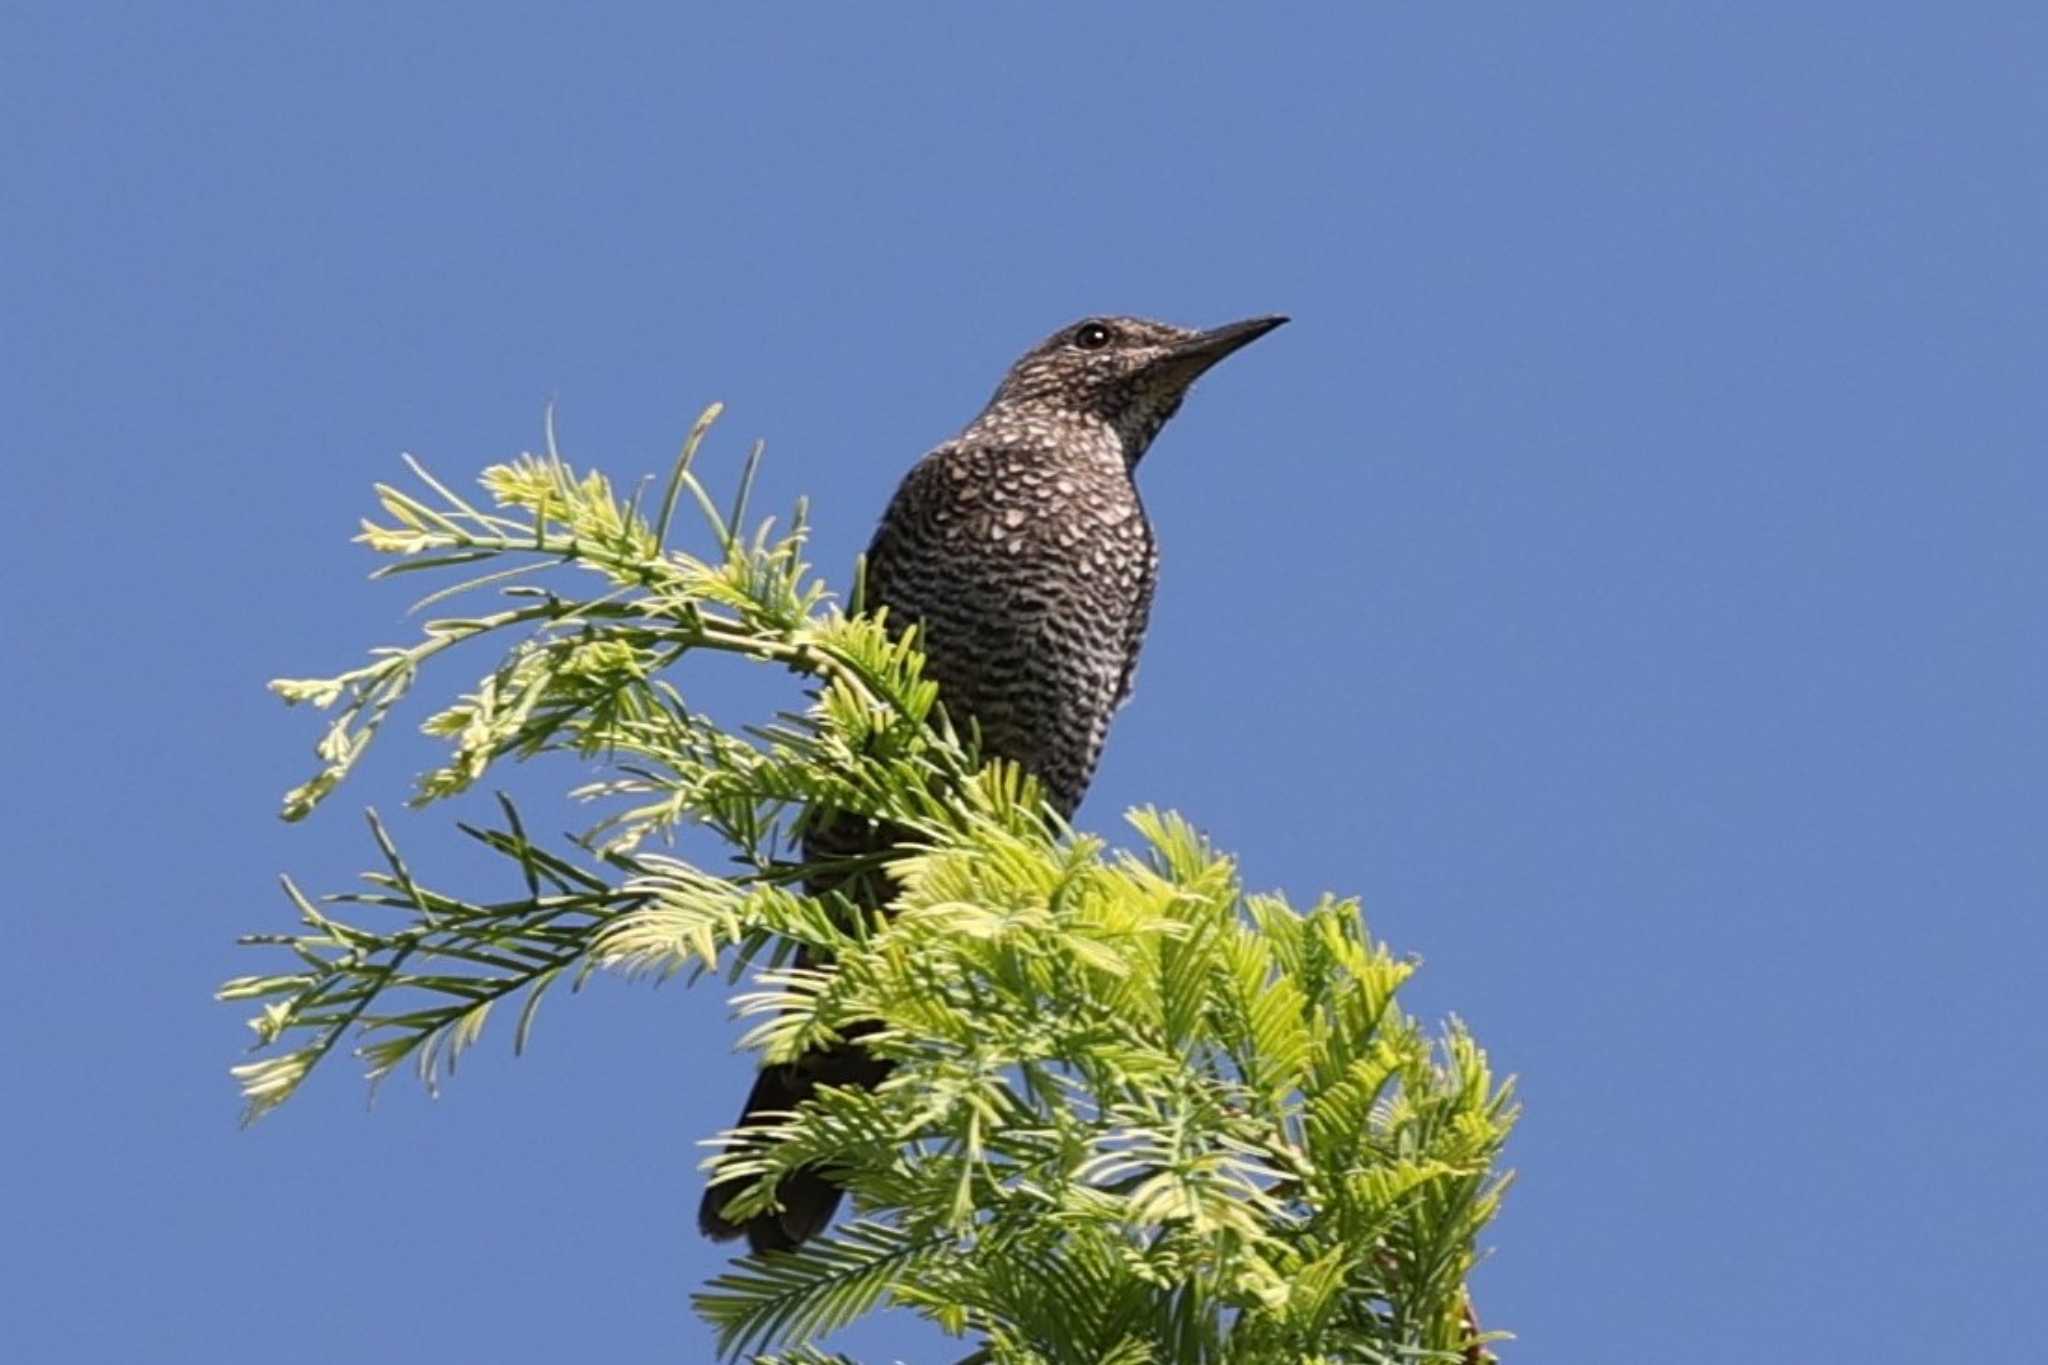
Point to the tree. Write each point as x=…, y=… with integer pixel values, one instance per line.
x=1136, y=1114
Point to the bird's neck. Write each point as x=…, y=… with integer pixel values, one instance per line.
x=1067, y=434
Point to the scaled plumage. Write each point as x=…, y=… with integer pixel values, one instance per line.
x=1022, y=550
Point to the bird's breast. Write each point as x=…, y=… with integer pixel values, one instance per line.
x=1029, y=578
x=1008, y=540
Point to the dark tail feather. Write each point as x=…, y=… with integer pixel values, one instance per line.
x=809, y=1197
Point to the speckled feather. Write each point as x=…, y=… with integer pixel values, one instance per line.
x=1022, y=550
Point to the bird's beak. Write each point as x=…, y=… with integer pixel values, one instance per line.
x=1197, y=354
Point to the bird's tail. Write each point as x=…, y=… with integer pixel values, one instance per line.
x=808, y=1197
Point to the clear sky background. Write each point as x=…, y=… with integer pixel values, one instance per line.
x=1627, y=575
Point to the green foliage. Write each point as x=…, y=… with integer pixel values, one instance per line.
x=1135, y=1115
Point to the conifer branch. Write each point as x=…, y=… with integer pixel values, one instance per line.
x=1135, y=1113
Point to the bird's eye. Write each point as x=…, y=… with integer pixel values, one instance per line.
x=1091, y=336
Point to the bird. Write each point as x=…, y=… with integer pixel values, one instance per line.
x=1021, y=551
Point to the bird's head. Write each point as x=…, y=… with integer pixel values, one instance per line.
x=1130, y=373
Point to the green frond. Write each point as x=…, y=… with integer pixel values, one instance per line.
x=1133, y=1113
x=797, y=1297
x=802, y=1355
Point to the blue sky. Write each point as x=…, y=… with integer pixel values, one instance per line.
x=1627, y=575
